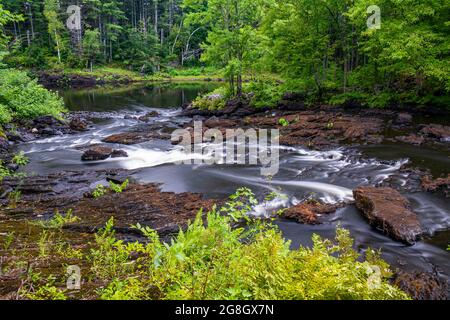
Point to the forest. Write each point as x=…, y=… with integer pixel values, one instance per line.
x=331, y=50
x=100, y=200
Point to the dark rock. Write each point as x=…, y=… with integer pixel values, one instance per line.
x=388, y=210
x=14, y=136
x=403, y=118
x=128, y=138
x=4, y=145
x=47, y=121
x=421, y=285
x=437, y=131
x=215, y=123
x=49, y=131
x=308, y=212
x=78, y=124
x=119, y=154
x=147, y=117
x=97, y=153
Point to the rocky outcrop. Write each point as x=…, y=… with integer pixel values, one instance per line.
x=309, y=212
x=97, y=153
x=129, y=138
x=433, y=185
x=148, y=116
x=437, y=131
x=166, y=212
x=387, y=210
x=421, y=285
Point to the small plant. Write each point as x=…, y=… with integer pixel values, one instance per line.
x=283, y=122
x=99, y=191
x=9, y=239
x=59, y=220
x=43, y=243
x=20, y=159
x=14, y=198
x=118, y=188
x=330, y=125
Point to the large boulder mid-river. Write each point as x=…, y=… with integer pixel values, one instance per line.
x=97, y=153
x=388, y=210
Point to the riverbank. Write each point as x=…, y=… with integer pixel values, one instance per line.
x=76, y=78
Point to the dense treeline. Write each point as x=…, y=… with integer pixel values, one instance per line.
x=320, y=47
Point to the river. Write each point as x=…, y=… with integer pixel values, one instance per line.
x=329, y=175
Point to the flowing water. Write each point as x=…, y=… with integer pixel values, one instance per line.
x=329, y=175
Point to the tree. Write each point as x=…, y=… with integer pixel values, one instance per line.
x=232, y=37
x=55, y=27
x=91, y=47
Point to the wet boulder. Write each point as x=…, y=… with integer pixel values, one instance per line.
x=119, y=154
x=78, y=124
x=421, y=285
x=148, y=116
x=127, y=138
x=97, y=153
x=309, y=212
x=387, y=210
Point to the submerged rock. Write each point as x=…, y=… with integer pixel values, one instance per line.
x=388, y=210
x=309, y=212
x=421, y=285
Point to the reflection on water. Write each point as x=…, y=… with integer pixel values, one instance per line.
x=160, y=95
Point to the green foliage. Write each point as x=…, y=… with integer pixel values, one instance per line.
x=118, y=188
x=9, y=239
x=99, y=191
x=214, y=100
x=264, y=93
x=23, y=98
x=20, y=159
x=58, y=220
x=283, y=122
x=4, y=172
x=219, y=258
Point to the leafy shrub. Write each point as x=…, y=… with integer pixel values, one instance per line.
x=23, y=98
x=214, y=100
x=5, y=114
x=264, y=93
x=20, y=159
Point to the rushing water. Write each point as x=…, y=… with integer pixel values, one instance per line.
x=329, y=175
